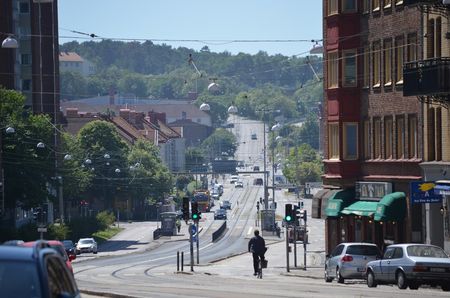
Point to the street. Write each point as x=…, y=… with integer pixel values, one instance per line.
x=132, y=264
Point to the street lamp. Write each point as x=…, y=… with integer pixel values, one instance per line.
x=10, y=43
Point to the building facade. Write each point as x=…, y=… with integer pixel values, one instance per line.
x=428, y=79
x=373, y=140
x=70, y=61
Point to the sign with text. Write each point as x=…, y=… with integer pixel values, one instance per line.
x=423, y=192
x=372, y=191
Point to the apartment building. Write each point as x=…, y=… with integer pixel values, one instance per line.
x=428, y=80
x=373, y=144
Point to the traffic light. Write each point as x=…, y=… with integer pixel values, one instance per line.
x=297, y=213
x=257, y=206
x=196, y=215
x=288, y=214
x=186, y=208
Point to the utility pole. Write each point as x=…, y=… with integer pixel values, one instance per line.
x=191, y=246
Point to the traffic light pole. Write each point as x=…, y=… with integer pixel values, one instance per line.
x=305, y=240
x=197, y=238
x=287, y=248
x=191, y=244
x=295, y=246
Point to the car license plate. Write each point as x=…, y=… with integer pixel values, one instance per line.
x=361, y=269
x=437, y=269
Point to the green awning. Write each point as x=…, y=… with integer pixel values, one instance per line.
x=391, y=207
x=338, y=201
x=361, y=208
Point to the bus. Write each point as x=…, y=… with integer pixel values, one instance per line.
x=203, y=198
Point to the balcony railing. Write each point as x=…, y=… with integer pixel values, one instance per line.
x=421, y=2
x=429, y=77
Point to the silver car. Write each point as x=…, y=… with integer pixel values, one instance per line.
x=411, y=265
x=86, y=245
x=348, y=261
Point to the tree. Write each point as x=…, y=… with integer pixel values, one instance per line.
x=194, y=158
x=220, y=143
x=303, y=165
x=28, y=168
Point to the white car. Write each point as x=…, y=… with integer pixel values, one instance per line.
x=86, y=245
x=234, y=178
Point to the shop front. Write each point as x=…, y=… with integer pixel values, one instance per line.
x=365, y=217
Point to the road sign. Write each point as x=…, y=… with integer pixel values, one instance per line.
x=193, y=229
x=42, y=230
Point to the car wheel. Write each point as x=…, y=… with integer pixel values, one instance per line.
x=327, y=277
x=445, y=287
x=339, y=277
x=413, y=285
x=401, y=280
x=95, y=252
x=371, y=282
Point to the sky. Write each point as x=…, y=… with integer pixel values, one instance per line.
x=198, y=23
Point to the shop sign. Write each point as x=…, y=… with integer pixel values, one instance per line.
x=372, y=191
x=423, y=192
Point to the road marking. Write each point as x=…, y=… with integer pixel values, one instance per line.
x=249, y=230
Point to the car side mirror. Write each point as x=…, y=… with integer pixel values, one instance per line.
x=72, y=257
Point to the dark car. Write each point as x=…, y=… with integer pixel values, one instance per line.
x=410, y=265
x=258, y=181
x=36, y=271
x=220, y=214
x=225, y=205
x=70, y=248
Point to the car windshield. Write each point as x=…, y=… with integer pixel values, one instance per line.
x=19, y=279
x=363, y=250
x=68, y=244
x=426, y=251
x=86, y=241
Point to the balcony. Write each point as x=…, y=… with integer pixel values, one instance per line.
x=421, y=2
x=429, y=77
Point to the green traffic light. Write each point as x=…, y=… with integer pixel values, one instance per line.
x=194, y=216
x=288, y=218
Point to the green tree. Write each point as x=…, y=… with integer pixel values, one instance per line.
x=303, y=165
x=194, y=157
x=219, y=143
x=73, y=85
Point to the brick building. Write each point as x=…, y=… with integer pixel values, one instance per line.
x=373, y=144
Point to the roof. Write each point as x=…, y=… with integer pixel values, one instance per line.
x=70, y=57
x=15, y=253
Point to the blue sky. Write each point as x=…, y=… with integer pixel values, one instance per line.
x=213, y=23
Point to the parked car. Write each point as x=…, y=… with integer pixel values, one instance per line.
x=220, y=214
x=36, y=271
x=13, y=242
x=410, y=265
x=59, y=248
x=256, y=169
x=239, y=184
x=69, y=246
x=86, y=245
x=225, y=205
x=348, y=261
x=254, y=137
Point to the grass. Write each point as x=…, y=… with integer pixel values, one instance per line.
x=102, y=236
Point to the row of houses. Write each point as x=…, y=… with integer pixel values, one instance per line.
x=387, y=141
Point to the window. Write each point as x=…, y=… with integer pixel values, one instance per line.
x=367, y=139
x=332, y=7
x=333, y=70
x=350, y=140
x=412, y=48
x=25, y=59
x=400, y=128
x=349, y=68
x=366, y=6
x=438, y=38
x=412, y=136
x=398, y=253
x=387, y=58
x=376, y=65
x=430, y=39
x=388, y=138
x=430, y=134
x=366, y=71
x=398, y=2
x=434, y=134
x=337, y=251
x=333, y=137
x=26, y=85
x=348, y=5
x=24, y=7
x=387, y=4
x=377, y=138
x=375, y=5
x=399, y=60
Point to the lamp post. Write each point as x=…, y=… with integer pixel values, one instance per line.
x=274, y=129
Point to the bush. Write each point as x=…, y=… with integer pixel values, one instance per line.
x=105, y=219
x=58, y=232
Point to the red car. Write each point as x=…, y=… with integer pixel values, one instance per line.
x=59, y=247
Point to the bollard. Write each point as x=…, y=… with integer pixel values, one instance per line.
x=182, y=260
x=178, y=261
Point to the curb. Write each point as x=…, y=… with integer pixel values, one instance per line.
x=104, y=294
